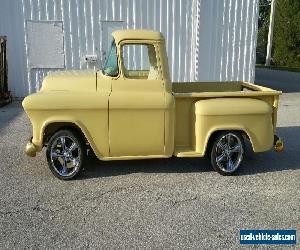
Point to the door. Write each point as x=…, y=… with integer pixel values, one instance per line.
x=107, y=27
x=137, y=105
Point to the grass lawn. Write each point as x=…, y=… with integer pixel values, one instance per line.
x=278, y=68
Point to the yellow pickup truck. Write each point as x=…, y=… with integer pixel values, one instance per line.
x=127, y=112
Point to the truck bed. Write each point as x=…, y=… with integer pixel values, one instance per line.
x=187, y=94
x=220, y=89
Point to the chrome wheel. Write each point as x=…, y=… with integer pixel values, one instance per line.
x=228, y=152
x=65, y=156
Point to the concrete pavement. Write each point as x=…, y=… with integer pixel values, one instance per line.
x=171, y=203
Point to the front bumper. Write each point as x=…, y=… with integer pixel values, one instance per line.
x=30, y=148
x=278, y=144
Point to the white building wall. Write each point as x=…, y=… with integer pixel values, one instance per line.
x=207, y=40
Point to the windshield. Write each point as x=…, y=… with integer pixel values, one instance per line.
x=111, y=64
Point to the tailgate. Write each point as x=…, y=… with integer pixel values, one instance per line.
x=272, y=94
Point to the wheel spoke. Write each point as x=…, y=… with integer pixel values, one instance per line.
x=64, y=167
x=236, y=149
x=75, y=161
x=63, y=142
x=230, y=164
x=56, y=155
x=221, y=157
x=72, y=147
x=228, y=138
x=222, y=146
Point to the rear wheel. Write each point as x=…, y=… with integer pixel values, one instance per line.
x=66, y=153
x=227, y=152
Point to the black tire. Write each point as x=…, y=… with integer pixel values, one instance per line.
x=227, y=152
x=66, y=157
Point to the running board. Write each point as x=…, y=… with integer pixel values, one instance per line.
x=186, y=152
x=138, y=157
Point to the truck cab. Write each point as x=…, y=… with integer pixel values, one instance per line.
x=139, y=96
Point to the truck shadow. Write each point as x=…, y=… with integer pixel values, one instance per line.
x=96, y=168
x=8, y=113
x=271, y=161
x=253, y=163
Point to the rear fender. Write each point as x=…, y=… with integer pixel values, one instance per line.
x=252, y=116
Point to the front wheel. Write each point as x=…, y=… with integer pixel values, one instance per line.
x=66, y=153
x=227, y=152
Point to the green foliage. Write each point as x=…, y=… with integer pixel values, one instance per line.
x=286, y=40
x=287, y=33
x=262, y=40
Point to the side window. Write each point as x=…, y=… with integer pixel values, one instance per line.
x=111, y=64
x=139, y=61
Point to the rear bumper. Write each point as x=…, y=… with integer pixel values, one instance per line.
x=30, y=148
x=278, y=144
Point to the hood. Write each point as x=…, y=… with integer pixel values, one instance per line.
x=72, y=80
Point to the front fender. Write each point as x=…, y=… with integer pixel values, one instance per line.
x=38, y=138
x=88, y=111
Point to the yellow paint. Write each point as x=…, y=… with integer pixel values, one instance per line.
x=139, y=114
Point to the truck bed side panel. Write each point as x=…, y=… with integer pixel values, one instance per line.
x=259, y=126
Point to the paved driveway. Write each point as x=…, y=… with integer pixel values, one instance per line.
x=172, y=203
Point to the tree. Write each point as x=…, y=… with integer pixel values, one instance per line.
x=264, y=13
x=287, y=33
x=263, y=27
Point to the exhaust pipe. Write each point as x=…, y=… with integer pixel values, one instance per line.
x=30, y=149
x=278, y=144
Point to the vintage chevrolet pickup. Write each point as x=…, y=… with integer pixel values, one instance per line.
x=123, y=112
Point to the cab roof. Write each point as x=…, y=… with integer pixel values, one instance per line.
x=120, y=35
